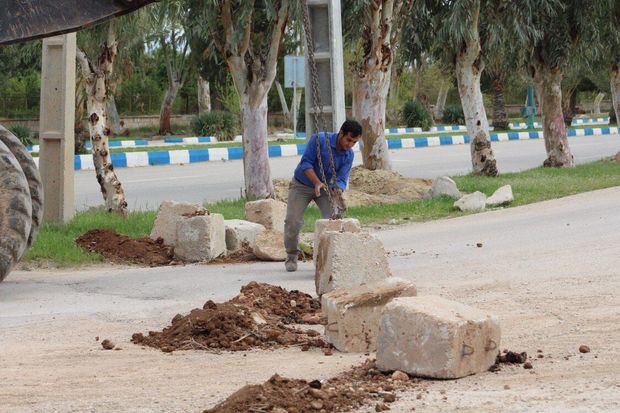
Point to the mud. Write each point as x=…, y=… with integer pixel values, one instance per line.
x=122, y=249
x=357, y=387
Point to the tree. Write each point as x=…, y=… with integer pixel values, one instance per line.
x=610, y=50
x=248, y=35
x=379, y=34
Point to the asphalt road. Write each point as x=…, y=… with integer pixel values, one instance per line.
x=146, y=187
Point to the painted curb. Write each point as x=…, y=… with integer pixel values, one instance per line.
x=574, y=122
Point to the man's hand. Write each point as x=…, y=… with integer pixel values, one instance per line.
x=317, y=188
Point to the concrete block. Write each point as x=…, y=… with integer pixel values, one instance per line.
x=444, y=186
x=269, y=246
x=430, y=336
x=200, y=238
x=268, y=212
x=169, y=213
x=471, y=202
x=353, y=314
x=322, y=225
x=239, y=232
x=349, y=259
x=503, y=196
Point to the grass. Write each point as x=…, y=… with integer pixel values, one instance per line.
x=56, y=242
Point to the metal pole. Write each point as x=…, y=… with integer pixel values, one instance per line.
x=294, y=110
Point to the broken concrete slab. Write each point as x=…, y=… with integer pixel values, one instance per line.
x=200, y=238
x=430, y=336
x=353, y=314
x=269, y=246
x=268, y=212
x=444, y=186
x=349, y=259
x=471, y=202
x=240, y=232
x=169, y=213
x=322, y=225
x=503, y=196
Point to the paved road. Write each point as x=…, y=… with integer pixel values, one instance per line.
x=146, y=187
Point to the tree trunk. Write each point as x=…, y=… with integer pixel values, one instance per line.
x=204, y=96
x=468, y=72
x=556, y=141
x=285, y=110
x=166, y=108
x=258, y=184
x=370, y=97
x=538, y=86
x=441, y=100
x=614, y=80
x=500, y=119
x=114, y=120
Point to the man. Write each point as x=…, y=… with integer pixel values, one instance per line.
x=306, y=184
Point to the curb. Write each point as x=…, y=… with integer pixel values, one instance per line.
x=179, y=157
x=574, y=122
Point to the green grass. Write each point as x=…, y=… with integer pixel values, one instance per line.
x=56, y=242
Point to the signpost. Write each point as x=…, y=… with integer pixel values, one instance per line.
x=294, y=76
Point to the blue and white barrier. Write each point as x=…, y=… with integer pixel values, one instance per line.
x=448, y=128
x=192, y=140
x=574, y=122
x=523, y=125
x=402, y=131
x=111, y=144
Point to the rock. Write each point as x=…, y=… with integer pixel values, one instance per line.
x=322, y=225
x=527, y=365
x=430, y=336
x=268, y=212
x=169, y=213
x=471, y=202
x=400, y=376
x=584, y=349
x=240, y=232
x=269, y=246
x=503, y=196
x=444, y=186
x=389, y=398
x=353, y=313
x=200, y=238
x=107, y=344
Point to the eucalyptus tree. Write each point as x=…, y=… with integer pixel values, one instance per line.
x=375, y=25
x=248, y=35
x=167, y=21
x=610, y=51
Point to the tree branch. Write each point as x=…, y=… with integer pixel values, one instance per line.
x=277, y=32
x=245, y=44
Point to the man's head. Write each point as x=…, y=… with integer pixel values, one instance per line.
x=350, y=133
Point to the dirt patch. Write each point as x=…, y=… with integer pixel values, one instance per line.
x=243, y=255
x=616, y=157
x=120, y=248
x=229, y=327
x=372, y=187
x=359, y=386
x=509, y=357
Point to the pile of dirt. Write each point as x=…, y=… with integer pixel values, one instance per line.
x=368, y=187
x=227, y=327
x=243, y=255
x=361, y=385
x=290, y=307
x=616, y=157
x=509, y=357
x=122, y=249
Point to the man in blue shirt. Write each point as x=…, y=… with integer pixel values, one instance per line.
x=306, y=185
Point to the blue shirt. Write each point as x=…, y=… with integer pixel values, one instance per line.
x=343, y=160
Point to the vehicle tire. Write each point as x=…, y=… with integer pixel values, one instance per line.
x=15, y=211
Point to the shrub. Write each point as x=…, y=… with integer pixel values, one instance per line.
x=23, y=133
x=453, y=115
x=415, y=115
x=223, y=125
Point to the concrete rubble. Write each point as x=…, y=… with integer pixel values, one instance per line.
x=472, y=202
x=444, y=186
x=200, y=238
x=503, y=196
x=269, y=246
x=169, y=213
x=240, y=233
x=322, y=225
x=268, y=212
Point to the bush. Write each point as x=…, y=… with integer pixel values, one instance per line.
x=223, y=125
x=23, y=133
x=415, y=115
x=453, y=115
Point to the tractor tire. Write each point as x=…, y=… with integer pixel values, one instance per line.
x=15, y=211
x=32, y=175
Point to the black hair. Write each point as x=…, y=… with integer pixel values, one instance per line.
x=351, y=126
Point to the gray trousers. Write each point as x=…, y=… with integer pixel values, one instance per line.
x=299, y=197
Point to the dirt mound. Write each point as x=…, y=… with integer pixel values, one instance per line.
x=350, y=390
x=288, y=306
x=616, y=157
x=228, y=327
x=120, y=248
x=372, y=187
x=244, y=255
x=509, y=357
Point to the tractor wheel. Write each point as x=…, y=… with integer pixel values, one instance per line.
x=32, y=175
x=15, y=211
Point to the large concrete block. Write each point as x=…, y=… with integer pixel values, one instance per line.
x=200, y=238
x=268, y=212
x=353, y=314
x=349, y=259
x=269, y=246
x=169, y=213
x=239, y=232
x=322, y=225
x=430, y=336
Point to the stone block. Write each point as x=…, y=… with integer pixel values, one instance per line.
x=353, y=314
x=322, y=225
x=503, y=196
x=444, y=186
x=169, y=213
x=239, y=232
x=200, y=238
x=268, y=212
x=349, y=259
x=269, y=246
x=430, y=336
x=471, y=202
